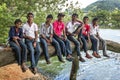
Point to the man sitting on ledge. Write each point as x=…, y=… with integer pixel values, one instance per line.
x=46, y=37
x=95, y=38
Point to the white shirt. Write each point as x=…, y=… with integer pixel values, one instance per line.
x=94, y=30
x=72, y=27
x=47, y=31
x=30, y=30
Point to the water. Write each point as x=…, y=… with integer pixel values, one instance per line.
x=110, y=34
x=101, y=69
x=94, y=69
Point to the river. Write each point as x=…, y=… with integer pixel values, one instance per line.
x=94, y=69
x=110, y=34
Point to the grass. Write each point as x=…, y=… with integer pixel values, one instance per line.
x=54, y=68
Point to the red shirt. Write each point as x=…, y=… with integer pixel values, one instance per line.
x=86, y=29
x=58, y=27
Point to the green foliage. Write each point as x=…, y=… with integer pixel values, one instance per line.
x=115, y=18
x=103, y=15
x=5, y=18
x=107, y=19
x=107, y=11
x=13, y=9
x=108, y=5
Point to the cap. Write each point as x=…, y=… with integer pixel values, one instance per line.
x=61, y=14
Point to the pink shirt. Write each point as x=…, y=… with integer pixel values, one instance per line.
x=58, y=27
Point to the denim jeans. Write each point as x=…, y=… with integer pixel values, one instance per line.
x=76, y=42
x=21, y=53
x=34, y=52
x=45, y=48
x=64, y=45
x=56, y=46
x=84, y=38
x=104, y=47
x=94, y=43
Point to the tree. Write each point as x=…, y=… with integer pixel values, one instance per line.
x=103, y=15
x=5, y=21
x=115, y=17
x=19, y=8
x=13, y=9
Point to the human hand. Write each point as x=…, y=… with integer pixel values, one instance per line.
x=48, y=41
x=34, y=44
x=30, y=38
x=15, y=38
x=74, y=34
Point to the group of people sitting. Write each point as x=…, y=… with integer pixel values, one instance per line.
x=57, y=34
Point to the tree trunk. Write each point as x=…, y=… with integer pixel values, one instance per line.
x=7, y=55
x=75, y=67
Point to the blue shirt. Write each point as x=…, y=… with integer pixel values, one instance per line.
x=13, y=33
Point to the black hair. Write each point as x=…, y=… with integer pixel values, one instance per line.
x=61, y=15
x=85, y=17
x=75, y=14
x=49, y=16
x=17, y=21
x=95, y=19
x=30, y=14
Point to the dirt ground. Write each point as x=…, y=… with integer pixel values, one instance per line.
x=14, y=72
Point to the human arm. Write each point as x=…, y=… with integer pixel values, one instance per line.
x=36, y=35
x=51, y=32
x=80, y=26
x=64, y=32
x=87, y=30
x=12, y=36
x=80, y=21
x=21, y=34
x=97, y=30
x=89, y=40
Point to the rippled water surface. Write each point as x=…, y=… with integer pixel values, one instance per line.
x=94, y=69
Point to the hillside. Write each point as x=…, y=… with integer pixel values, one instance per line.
x=108, y=5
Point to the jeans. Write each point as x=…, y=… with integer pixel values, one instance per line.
x=20, y=52
x=84, y=38
x=34, y=52
x=94, y=43
x=104, y=47
x=55, y=44
x=80, y=34
x=45, y=48
x=76, y=42
x=64, y=45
